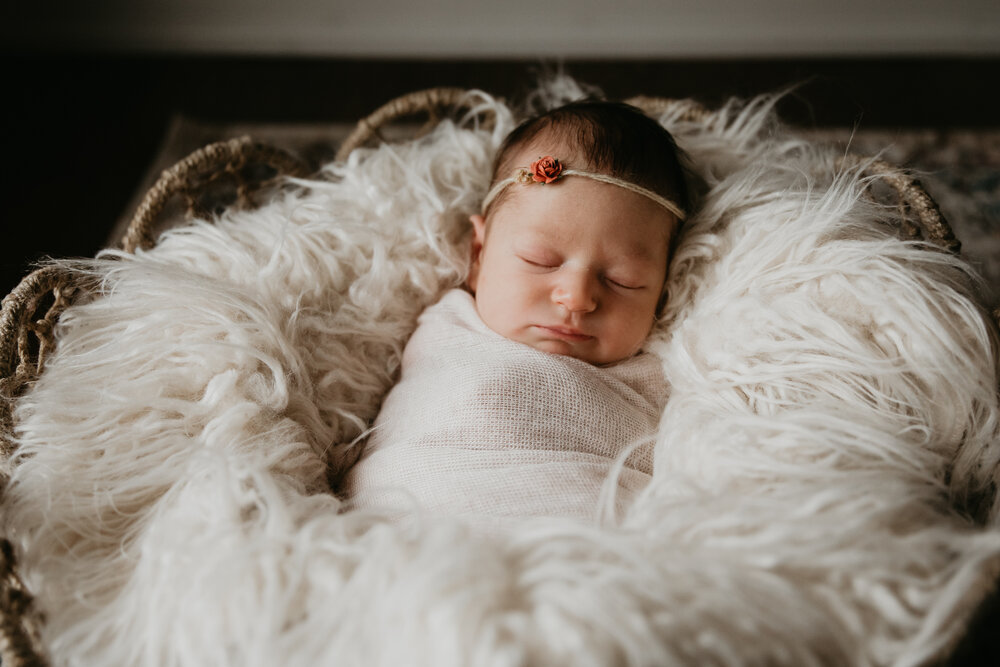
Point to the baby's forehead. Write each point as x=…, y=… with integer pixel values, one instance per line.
x=632, y=248
x=642, y=238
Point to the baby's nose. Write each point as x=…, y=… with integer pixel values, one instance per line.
x=575, y=291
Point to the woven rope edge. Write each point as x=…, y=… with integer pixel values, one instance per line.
x=183, y=175
x=20, y=645
x=913, y=198
x=15, y=310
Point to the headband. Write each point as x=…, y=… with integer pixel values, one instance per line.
x=549, y=169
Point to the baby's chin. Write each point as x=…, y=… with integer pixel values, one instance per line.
x=559, y=347
x=595, y=357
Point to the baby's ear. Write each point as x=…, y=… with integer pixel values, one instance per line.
x=476, y=249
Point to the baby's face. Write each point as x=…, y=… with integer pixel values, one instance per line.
x=574, y=267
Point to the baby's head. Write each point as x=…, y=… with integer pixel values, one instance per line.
x=576, y=266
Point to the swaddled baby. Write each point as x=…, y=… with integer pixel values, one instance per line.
x=518, y=397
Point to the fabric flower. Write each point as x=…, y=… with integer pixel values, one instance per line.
x=546, y=169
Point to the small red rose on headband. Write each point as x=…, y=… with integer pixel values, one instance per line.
x=546, y=169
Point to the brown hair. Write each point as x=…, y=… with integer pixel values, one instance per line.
x=613, y=138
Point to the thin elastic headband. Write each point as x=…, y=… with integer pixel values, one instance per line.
x=548, y=169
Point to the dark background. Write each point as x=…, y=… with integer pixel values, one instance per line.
x=82, y=129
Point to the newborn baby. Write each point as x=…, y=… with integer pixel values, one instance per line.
x=518, y=396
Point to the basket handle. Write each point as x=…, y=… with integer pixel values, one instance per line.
x=692, y=112
x=435, y=102
x=219, y=157
x=18, y=309
x=912, y=197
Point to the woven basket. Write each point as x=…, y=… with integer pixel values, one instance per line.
x=236, y=173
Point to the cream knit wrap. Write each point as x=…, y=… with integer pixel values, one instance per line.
x=488, y=428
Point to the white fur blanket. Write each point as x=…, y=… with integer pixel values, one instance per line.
x=491, y=429
x=824, y=471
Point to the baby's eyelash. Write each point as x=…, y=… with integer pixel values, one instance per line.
x=623, y=285
x=539, y=264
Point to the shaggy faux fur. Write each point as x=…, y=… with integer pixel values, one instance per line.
x=824, y=473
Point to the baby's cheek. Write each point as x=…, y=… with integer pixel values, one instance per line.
x=633, y=333
x=491, y=311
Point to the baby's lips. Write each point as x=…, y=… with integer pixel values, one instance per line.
x=567, y=333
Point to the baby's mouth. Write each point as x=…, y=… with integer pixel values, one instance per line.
x=566, y=333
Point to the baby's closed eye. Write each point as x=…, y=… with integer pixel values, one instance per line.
x=625, y=282
x=540, y=260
